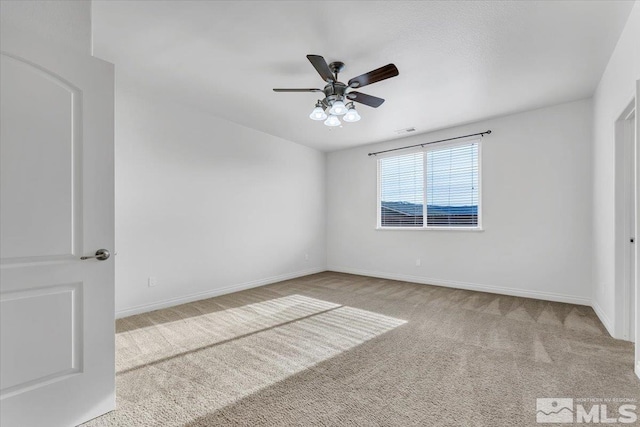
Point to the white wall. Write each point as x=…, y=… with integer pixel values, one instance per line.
x=615, y=90
x=536, y=198
x=208, y=206
x=65, y=23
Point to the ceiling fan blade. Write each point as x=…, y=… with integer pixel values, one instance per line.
x=321, y=67
x=363, y=98
x=374, y=76
x=297, y=90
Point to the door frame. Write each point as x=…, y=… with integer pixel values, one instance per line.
x=625, y=174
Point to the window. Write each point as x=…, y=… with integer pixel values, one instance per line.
x=440, y=184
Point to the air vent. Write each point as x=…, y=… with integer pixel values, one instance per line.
x=403, y=131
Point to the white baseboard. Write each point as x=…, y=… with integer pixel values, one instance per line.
x=547, y=296
x=603, y=318
x=213, y=293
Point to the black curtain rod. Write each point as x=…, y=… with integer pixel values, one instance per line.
x=432, y=142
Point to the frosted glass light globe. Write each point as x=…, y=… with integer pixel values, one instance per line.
x=332, y=121
x=318, y=114
x=338, y=108
x=351, y=116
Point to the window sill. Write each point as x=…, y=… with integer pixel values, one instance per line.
x=430, y=228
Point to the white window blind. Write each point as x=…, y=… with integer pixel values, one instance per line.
x=402, y=190
x=446, y=178
x=452, y=186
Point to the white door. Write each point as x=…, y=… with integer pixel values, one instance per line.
x=630, y=196
x=637, y=227
x=57, y=204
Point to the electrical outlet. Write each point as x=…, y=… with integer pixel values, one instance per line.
x=306, y=257
x=152, y=281
x=418, y=262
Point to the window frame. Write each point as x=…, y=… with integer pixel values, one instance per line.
x=425, y=150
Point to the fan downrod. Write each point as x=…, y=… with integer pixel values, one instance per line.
x=336, y=67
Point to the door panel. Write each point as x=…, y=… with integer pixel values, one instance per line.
x=57, y=352
x=48, y=339
x=38, y=162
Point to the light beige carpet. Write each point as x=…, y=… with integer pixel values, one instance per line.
x=335, y=349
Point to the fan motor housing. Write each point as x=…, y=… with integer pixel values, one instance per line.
x=336, y=90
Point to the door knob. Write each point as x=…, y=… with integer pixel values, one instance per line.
x=101, y=255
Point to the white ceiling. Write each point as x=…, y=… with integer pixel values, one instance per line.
x=459, y=61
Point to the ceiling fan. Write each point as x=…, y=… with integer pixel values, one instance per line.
x=335, y=92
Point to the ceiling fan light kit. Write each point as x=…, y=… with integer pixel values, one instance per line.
x=336, y=95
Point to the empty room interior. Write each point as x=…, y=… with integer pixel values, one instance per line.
x=319, y=213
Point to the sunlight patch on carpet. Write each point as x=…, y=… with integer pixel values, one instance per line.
x=173, y=373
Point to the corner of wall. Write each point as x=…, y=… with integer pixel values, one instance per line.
x=608, y=324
